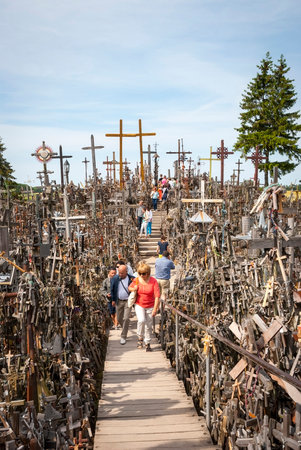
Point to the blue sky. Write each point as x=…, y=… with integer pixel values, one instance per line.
x=70, y=68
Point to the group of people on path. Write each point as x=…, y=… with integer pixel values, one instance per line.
x=121, y=283
x=144, y=213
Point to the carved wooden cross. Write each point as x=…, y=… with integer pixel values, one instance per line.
x=209, y=159
x=222, y=154
x=121, y=135
x=93, y=147
x=256, y=158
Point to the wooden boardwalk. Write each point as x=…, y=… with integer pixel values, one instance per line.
x=143, y=405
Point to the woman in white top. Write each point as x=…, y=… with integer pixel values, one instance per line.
x=144, y=223
x=149, y=222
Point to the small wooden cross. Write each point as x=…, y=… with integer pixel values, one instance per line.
x=85, y=161
x=256, y=158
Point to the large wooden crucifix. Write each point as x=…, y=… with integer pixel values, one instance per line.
x=85, y=161
x=239, y=163
x=222, y=154
x=210, y=164
x=256, y=158
x=93, y=147
x=61, y=157
x=121, y=135
x=140, y=134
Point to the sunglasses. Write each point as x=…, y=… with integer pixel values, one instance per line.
x=142, y=273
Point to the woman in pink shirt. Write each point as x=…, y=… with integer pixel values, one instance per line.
x=147, y=303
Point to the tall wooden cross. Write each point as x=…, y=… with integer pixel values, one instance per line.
x=121, y=135
x=222, y=154
x=93, y=147
x=149, y=161
x=239, y=163
x=256, y=158
x=61, y=157
x=209, y=159
x=85, y=161
x=140, y=134
x=181, y=156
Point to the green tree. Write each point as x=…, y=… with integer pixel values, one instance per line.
x=266, y=118
x=6, y=171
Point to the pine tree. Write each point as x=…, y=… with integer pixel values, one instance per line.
x=6, y=170
x=266, y=119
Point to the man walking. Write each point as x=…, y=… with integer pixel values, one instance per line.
x=139, y=214
x=163, y=267
x=119, y=296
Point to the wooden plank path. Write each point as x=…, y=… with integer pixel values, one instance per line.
x=143, y=405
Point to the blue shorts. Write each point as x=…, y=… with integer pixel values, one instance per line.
x=112, y=308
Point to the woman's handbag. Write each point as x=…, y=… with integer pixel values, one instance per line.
x=133, y=296
x=132, y=299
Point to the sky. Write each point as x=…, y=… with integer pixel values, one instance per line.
x=72, y=68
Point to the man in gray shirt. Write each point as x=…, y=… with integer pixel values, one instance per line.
x=163, y=267
x=139, y=214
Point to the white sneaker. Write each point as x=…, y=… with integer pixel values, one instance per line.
x=122, y=341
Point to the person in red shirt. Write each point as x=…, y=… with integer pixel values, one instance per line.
x=147, y=303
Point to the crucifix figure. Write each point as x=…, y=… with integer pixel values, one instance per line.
x=256, y=158
x=209, y=159
x=140, y=134
x=85, y=161
x=93, y=147
x=239, y=163
x=120, y=135
x=222, y=154
x=61, y=157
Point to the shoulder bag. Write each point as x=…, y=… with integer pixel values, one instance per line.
x=133, y=296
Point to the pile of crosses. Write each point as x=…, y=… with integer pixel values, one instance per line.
x=239, y=356
x=56, y=247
